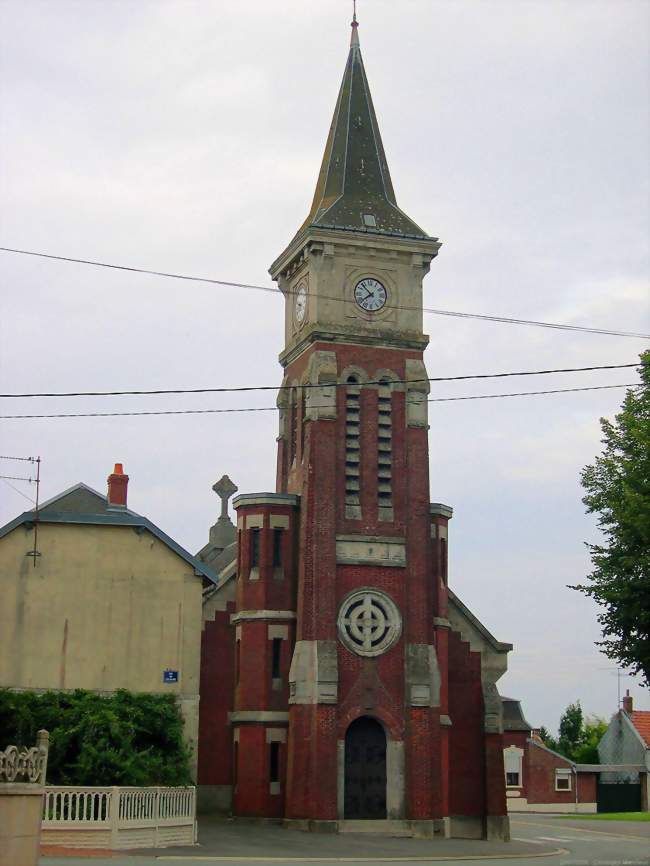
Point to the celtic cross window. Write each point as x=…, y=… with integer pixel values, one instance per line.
x=369, y=622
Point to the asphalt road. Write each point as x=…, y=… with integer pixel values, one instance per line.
x=537, y=839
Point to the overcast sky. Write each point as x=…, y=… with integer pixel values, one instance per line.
x=187, y=137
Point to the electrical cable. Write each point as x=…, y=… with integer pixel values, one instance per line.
x=251, y=286
x=275, y=408
x=243, y=388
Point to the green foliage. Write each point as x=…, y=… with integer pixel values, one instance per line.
x=609, y=816
x=617, y=489
x=578, y=738
x=587, y=751
x=120, y=739
x=547, y=739
x=570, y=732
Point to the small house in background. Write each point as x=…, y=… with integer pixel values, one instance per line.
x=626, y=745
x=96, y=596
x=537, y=778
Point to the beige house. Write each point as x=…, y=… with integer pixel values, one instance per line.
x=95, y=596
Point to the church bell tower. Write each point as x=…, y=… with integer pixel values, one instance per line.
x=348, y=668
x=365, y=677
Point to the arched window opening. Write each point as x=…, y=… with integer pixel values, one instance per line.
x=443, y=559
x=352, y=441
x=385, y=446
x=303, y=411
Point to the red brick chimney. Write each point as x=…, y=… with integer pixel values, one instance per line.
x=628, y=704
x=118, y=483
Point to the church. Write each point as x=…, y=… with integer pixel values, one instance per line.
x=341, y=678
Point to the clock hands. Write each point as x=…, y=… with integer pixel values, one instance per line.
x=373, y=297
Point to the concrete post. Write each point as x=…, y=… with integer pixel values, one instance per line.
x=43, y=745
x=114, y=816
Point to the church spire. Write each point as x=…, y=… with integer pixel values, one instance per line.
x=354, y=191
x=354, y=38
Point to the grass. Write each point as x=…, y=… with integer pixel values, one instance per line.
x=611, y=816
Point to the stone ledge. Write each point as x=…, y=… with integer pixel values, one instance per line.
x=242, y=717
x=284, y=499
x=20, y=789
x=248, y=615
x=437, y=509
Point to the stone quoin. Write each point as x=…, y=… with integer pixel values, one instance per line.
x=341, y=678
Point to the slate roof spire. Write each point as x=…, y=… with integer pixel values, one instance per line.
x=354, y=191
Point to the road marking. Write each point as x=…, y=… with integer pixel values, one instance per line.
x=627, y=838
x=188, y=858
x=532, y=841
x=560, y=838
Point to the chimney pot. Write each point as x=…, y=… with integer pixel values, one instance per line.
x=628, y=702
x=118, y=484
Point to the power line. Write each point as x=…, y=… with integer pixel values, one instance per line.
x=275, y=408
x=242, y=388
x=253, y=287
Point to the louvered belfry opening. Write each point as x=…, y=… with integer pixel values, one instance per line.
x=293, y=424
x=384, y=446
x=352, y=441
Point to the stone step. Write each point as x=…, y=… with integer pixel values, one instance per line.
x=379, y=828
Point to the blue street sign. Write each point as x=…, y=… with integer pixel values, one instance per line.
x=170, y=676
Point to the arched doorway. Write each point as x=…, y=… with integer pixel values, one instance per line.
x=365, y=770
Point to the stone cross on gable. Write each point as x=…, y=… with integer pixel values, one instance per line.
x=224, y=488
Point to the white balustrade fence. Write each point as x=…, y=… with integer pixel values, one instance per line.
x=118, y=818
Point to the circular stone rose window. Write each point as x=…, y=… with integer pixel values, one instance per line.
x=369, y=622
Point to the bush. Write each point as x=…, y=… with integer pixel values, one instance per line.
x=100, y=740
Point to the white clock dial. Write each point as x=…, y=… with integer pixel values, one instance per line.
x=370, y=294
x=301, y=303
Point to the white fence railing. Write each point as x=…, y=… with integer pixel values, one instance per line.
x=118, y=818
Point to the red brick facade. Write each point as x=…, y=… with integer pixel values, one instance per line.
x=291, y=584
x=357, y=685
x=545, y=781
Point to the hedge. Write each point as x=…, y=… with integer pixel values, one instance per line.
x=100, y=740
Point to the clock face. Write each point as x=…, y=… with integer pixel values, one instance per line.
x=370, y=294
x=301, y=303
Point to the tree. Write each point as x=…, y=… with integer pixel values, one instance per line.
x=547, y=739
x=617, y=489
x=577, y=738
x=587, y=751
x=570, y=734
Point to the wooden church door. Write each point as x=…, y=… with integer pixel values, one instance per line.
x=365, y=770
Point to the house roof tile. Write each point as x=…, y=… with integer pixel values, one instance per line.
x=641, y=721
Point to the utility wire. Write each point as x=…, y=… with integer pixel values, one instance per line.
x=243, y=388
x=22, y=459
x=252, y=287
x=275, y=408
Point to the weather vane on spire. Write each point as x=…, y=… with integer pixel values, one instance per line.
x=355, y=23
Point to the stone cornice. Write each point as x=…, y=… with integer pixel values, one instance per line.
x=382, y=341
x=248, y=615
x=301, y=245
x=274, y=717
x=284, y=499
